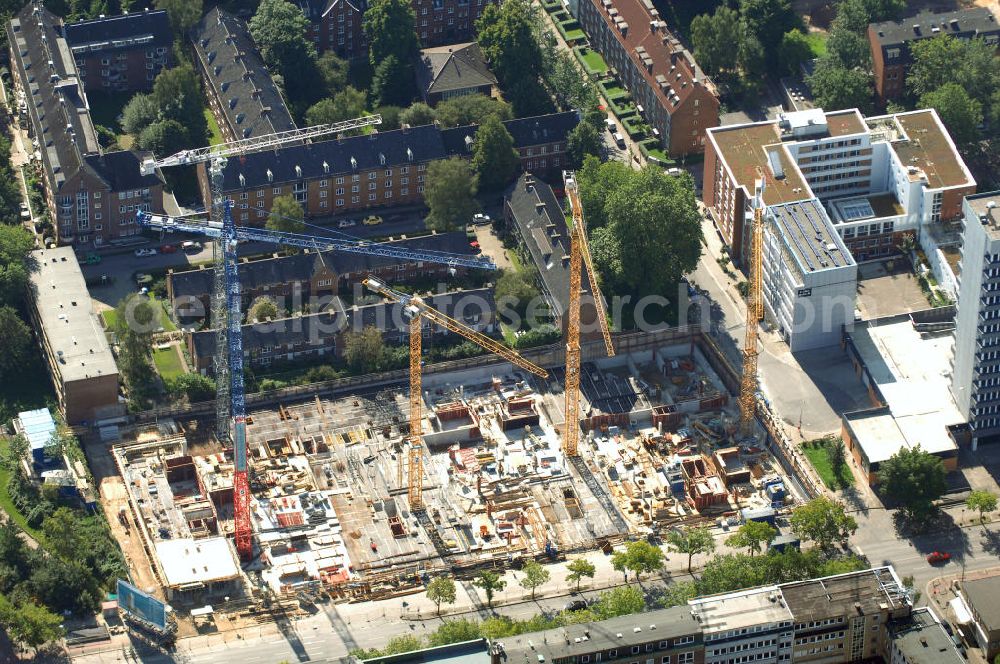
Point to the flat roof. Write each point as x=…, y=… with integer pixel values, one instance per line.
x=809, y=235
x=68, y=322
x=746, y=608
x=465, y=652
x=911, y=372
x=845, y=123
x=817, y=599
x=744, y=149
x=929, y=147
x=190, y=561
x=981, y=207
x=586, y=638
x=922, y=639
x=984, y=599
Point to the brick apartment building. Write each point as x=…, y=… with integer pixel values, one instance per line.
x=446, y=72
x=890, y=42
x=243, y=96
x=322, y=334
x=121, y=53
x=679, y=102
x=91, y=195
x=337, y=24
x=382, y=169
x=296, y=279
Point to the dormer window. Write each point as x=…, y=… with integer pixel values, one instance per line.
x=243, y=181
x=298, y=171
x=381, y=159
x=409, y=154
x=354, y=163
x=270, y=175
x=326, y=167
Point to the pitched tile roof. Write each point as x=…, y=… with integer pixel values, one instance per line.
x=301, y=267
x=248, y=97
x=114, y=33
x=448, y=68
x=314, y=10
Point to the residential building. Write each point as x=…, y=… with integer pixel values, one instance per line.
x=445, y=72
x=890, y=42
x=920, y=639
x=120, y=53
x=243, y=96
x=382, y=169
x=337, y=26
x=863, y=184
x=91, y=195
x=978, y=602
x=534, y=217
x=322, y=334
x=465, y=652
x=80, y=361
x=448, y=21
x=975, y=367
x=309, y=277
x=677, y=100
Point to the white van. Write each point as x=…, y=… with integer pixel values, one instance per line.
x=610, y=124
x=619, y=140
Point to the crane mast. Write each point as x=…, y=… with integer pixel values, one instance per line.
x=754, y=314
x=578, y=255
x=417, y=310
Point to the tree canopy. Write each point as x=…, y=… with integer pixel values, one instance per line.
x=836, y=87
x=959, y=112
x=286, y=215
x=183, y=15
x=365, y=351
x=441, y=590
x=579, y=569
x=16, y=244
x=390, y=26
x=494, y=158
x=584, y=139
x=752, y=536
x=417, y=114
x=507, y=37
x=279, y=29
x=533, y=575
x=912, y=478
x=467, y=110
x=693, y=540
x=450, y=194
x=823, y=521
x=347, y=104
x=392, y=82
x=793, y=50
x=981, y=501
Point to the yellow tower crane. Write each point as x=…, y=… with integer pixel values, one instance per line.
x=754, y=312
x=579, y=253
x=416, y=310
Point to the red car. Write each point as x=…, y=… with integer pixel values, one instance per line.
x=936, y=557
x=168, y=249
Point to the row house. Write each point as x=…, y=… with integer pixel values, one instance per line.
x=296, y=280
x=382, y=169
x=121, y=53
x=322, y=334
x=243, y=96
x=92, y=196
x=677, y=100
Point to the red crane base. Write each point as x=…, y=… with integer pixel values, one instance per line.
x=241, y=512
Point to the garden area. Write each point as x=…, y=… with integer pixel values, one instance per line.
x=110, y=316
x=829, y=458
x=168, y=362
x=592, y=62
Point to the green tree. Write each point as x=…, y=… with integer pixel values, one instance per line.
x=469, y=110
x=364, y=350
x=914, y=479
x=163, y=138
x=534, y=575
x=390, y=26
x=333, y=70
x=619, y=561
x=454, y=631
x=855, y=15
x=971, y=64
x=793, y=50
x=177, y=93
x=767, y=21
x=441, y=590
x=692, y=541
x=347, y=104
x=286, y=215
x=62, y=535
x=959, y=112
x=417, y=115
x=752, y=536
x=823, y=521
x=584, y=139
x=450, y=194
x=507, y=38
x=63, y=585
x=279, y=30
x=621, y=601
x=140, y=112
x=134, y=323
x=28, y=623
x=490, y=583
x=837, y=455
x=643, y=558
x=393, y=82
x=16, y=243
x=390, y=117
x=836, y=87
x=982, y=502
x=494, y=158
x=578, y=569
x=183, y=15
x=15, y=357
x=17, y=449
x=848, y=49
x=514, y=289
x=194, y=386
x=262, y=309
x=714, y=37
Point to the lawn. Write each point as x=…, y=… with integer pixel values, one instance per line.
x=612, y=92
x=815, y=451
x=575, y=34
x=817, y=42
x=110, y=316
x=593, y=61
x=214, y=134
x=168, y=362
x=8, y=505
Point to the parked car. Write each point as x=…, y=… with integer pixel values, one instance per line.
x=93, y=259
x=470, y=232
x=168, y=248
x=346, y=223
x=575, y=605
x=140, y=253
x=25, y=212
x=372, y=220
x=475, y=245
x=610, y=124
x=619, y=140
x=191, y=245
x=935, y=557
x=481, y=219
x=141, y=278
